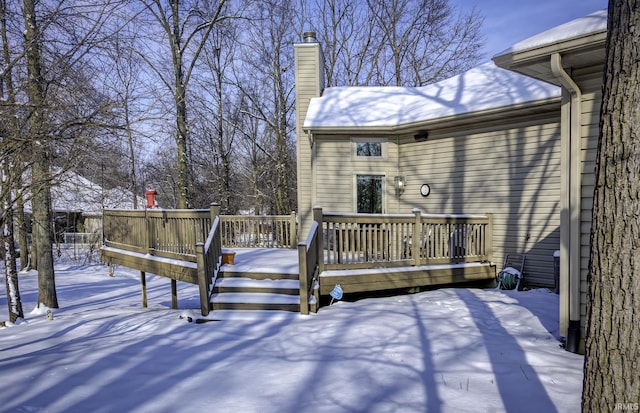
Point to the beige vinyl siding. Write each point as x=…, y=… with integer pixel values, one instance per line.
x=309, y=84
x=336, y=166
x=590, y=82
x=512, y=171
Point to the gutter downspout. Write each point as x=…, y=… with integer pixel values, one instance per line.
x=570, y=240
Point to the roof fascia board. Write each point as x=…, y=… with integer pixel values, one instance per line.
x=577, y=44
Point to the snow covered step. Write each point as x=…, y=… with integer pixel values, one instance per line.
x=241, y=284
x=237, y=271
x=255, y=301
x=258, y=282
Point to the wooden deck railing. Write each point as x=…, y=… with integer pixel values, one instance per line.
x=175, y=233
x=337, y=241
x=373, y=240
x=259, y=231
x=194, y=236
x=171, y=233
x=168, y=242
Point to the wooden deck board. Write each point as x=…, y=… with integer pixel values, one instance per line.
x=353, y=281
x=178, y=270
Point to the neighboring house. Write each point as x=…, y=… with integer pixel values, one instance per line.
x=77, y=203
x=515, y=139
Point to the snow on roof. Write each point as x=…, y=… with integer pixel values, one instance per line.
x=72, y=192
x=484, y=87
x=592, y=23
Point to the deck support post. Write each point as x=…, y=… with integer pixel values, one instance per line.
x=203, y=283
x=174, y=294
x=304, y=278
x=214, y=211
x=143, y=283
x=317, y=217
x=489, y=239
x=416, y=237
x=293, y=231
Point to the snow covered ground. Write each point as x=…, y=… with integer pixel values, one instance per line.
x=447, y=350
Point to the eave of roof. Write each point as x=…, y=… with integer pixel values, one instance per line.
x=581, y=43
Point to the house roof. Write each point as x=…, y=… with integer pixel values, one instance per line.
x=580, y=42
x=591, y=23
x=71, y=192
x=482, y=88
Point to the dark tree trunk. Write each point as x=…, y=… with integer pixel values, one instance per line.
x=40, y=176
x=180, y=98
x=22, y=235
x=612, y=361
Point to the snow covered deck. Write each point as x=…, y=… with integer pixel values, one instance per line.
x=361, y=252
x=285, y=261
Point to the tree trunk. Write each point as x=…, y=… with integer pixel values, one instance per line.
x=132, y=155
x=613, y=312
x=22, y=235
x=180, y=99
x=225, y=179
x=40, y=176
x=13, y=134
x=182, y=149
x=10, y=268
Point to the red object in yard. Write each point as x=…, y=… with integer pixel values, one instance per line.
x=151, y=198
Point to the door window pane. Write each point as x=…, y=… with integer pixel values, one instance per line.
x=370, y=194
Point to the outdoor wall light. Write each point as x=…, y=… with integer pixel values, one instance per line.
x=400, y=184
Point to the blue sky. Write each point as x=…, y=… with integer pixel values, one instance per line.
x=508, y=21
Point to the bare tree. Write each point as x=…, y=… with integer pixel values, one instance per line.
x=41, y=155
x=255, y=166
x=64, y=110
x=135, y=110
x=186, y=26
x=396, y=42
x=12, y=155
x=352, y=44
x=613, y=308
x=8, y=251
x=216, y=124
x=270, y=91
x=10, y=171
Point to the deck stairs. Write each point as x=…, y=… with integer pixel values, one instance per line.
x=240, y=290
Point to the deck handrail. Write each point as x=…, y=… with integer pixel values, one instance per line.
x=356, y=241
x=309, y=253
x=209, y=259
